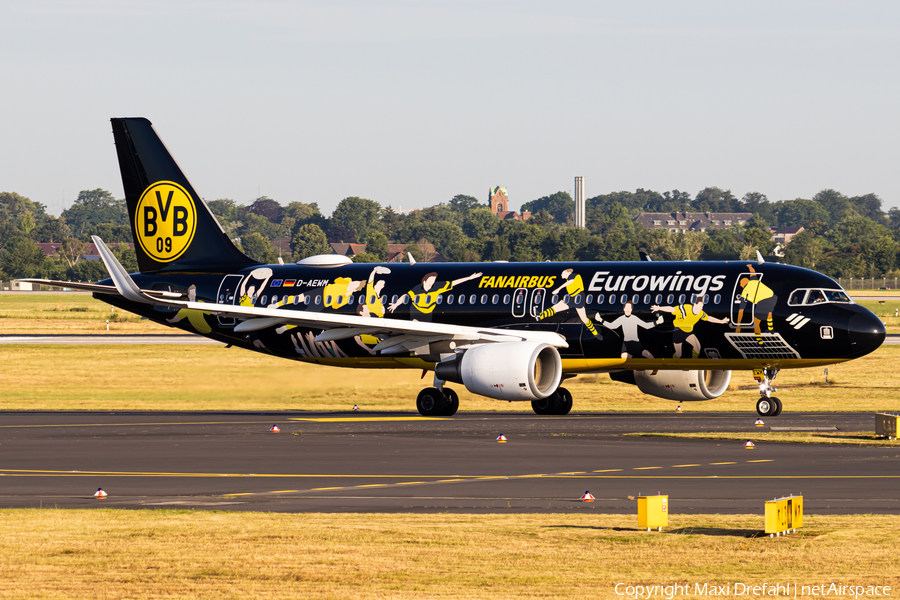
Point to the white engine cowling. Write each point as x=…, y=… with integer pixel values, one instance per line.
x=506, y=371
x=683, y=386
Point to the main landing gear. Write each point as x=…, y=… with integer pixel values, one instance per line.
x=557, y=403
x=434, y=402
x=768, y=405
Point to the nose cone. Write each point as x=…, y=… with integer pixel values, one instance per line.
x=866, y=332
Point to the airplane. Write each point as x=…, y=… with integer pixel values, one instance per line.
x=508, y=331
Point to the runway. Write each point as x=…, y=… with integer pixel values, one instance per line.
x=401, y=462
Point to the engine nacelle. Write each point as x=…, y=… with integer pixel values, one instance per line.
x=684, y=386
x=506, y=371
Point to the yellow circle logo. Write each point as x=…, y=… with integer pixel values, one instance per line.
x=165, y=221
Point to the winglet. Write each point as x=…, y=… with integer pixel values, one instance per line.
x=644, y=256
x=123, y=282
x=412, y=260
x=759, y=258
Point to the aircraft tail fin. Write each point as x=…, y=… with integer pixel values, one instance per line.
x=173, y=228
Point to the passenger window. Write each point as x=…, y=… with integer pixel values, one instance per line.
x=384, y=299
x=307, y=299
x=296, y=299
x=264, y=298
x=589, y=299
x=462, y=298
x=484, y=298
x=577, y=300
x=659, y=298
x=495, y=299
x=473, y=299
x=328, y=299
x=670, y=299
x=600, y=299
x=275, y=299
x=636, y=298
x=706, y=299
x=566, y=298
x=350, y=299
x=717, y=299
x=450, y=298
x=318, y=300
x=815, y=297
x=554, y=299
x=506, y=299
x=612, y=298
x=440, y=299
x=646, y=298
x=681, y=299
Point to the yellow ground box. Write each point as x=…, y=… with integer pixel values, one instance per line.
x=653, y=511
x=784, y=515
x=886, y=425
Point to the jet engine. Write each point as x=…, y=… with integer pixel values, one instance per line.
x=683, y=386
x=506, y=370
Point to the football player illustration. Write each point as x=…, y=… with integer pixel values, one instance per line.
x=760, y=298
x=574, y=286
x=424, y=297
x=686, y=317
x=631, y=345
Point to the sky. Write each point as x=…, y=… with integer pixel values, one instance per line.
x=410, y=102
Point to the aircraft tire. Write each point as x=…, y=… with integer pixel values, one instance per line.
x=565, y=401
x=778, y=406
x=452, y=404
x=766, y=407
x=431, y=403
x=546, y=406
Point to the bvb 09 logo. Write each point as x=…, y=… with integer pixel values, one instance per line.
x=165, y=221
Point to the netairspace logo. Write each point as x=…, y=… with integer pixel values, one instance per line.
x=736, y=590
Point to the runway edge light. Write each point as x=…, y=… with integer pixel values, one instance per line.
x=653, y=511
x=587, y=497
x=678, y=409
x=749, y=445
x=784, y=515
x=759, y=423
x=274, y=429
x=100, y=494
x=502, y=439
x=355, y=407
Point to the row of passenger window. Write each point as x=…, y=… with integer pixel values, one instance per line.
x=473, y=299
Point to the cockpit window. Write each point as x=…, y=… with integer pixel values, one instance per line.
x=807, y=297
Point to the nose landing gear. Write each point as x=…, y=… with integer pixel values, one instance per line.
x=768, y=405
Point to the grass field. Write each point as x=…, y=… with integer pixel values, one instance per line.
x=178, y=554
x=124, y=377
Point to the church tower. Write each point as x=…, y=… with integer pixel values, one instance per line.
x=498, y=199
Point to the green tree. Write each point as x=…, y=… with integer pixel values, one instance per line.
x=258, y=247
x=377, y=245
x=463, y=204
x=309, y=241
x=357, y=214
x=93, y=207
x=21, y=258
x=264, y=207
x=799, y=212
x=714, y=199
x=560, y=205
x=366, y=257
x=804, y=250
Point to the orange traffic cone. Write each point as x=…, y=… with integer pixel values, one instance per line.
x=502, y=439
x=587, y=497
x=759, y=423
x=100, y=494
x=678, y=409
x=274, y=429
x=749, y=445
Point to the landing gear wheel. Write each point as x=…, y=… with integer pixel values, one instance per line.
x=766, y=407
x=777, y=406
x=452, y=402
x=565, y=401
x=546, y=406
x=431, y=403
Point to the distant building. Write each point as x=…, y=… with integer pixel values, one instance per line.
x=90, y=249
x=785, y=235
x=498, y=198
x=579, y=203
x=685, y=221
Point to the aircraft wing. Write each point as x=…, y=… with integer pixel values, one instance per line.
x=399, y=335
x=97, y=288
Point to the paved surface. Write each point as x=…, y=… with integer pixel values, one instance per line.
x=401, y=462
x=109, y=338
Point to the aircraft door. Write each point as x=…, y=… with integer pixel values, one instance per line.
x=228, y=294
x=536, y=307
x=520, y=299
x=738, y=303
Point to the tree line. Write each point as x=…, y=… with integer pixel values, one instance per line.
x=843, y=237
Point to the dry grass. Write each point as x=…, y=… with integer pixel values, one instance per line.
x=67, y=313
x=123, y=377
x=852, y=438
x=144, y=554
